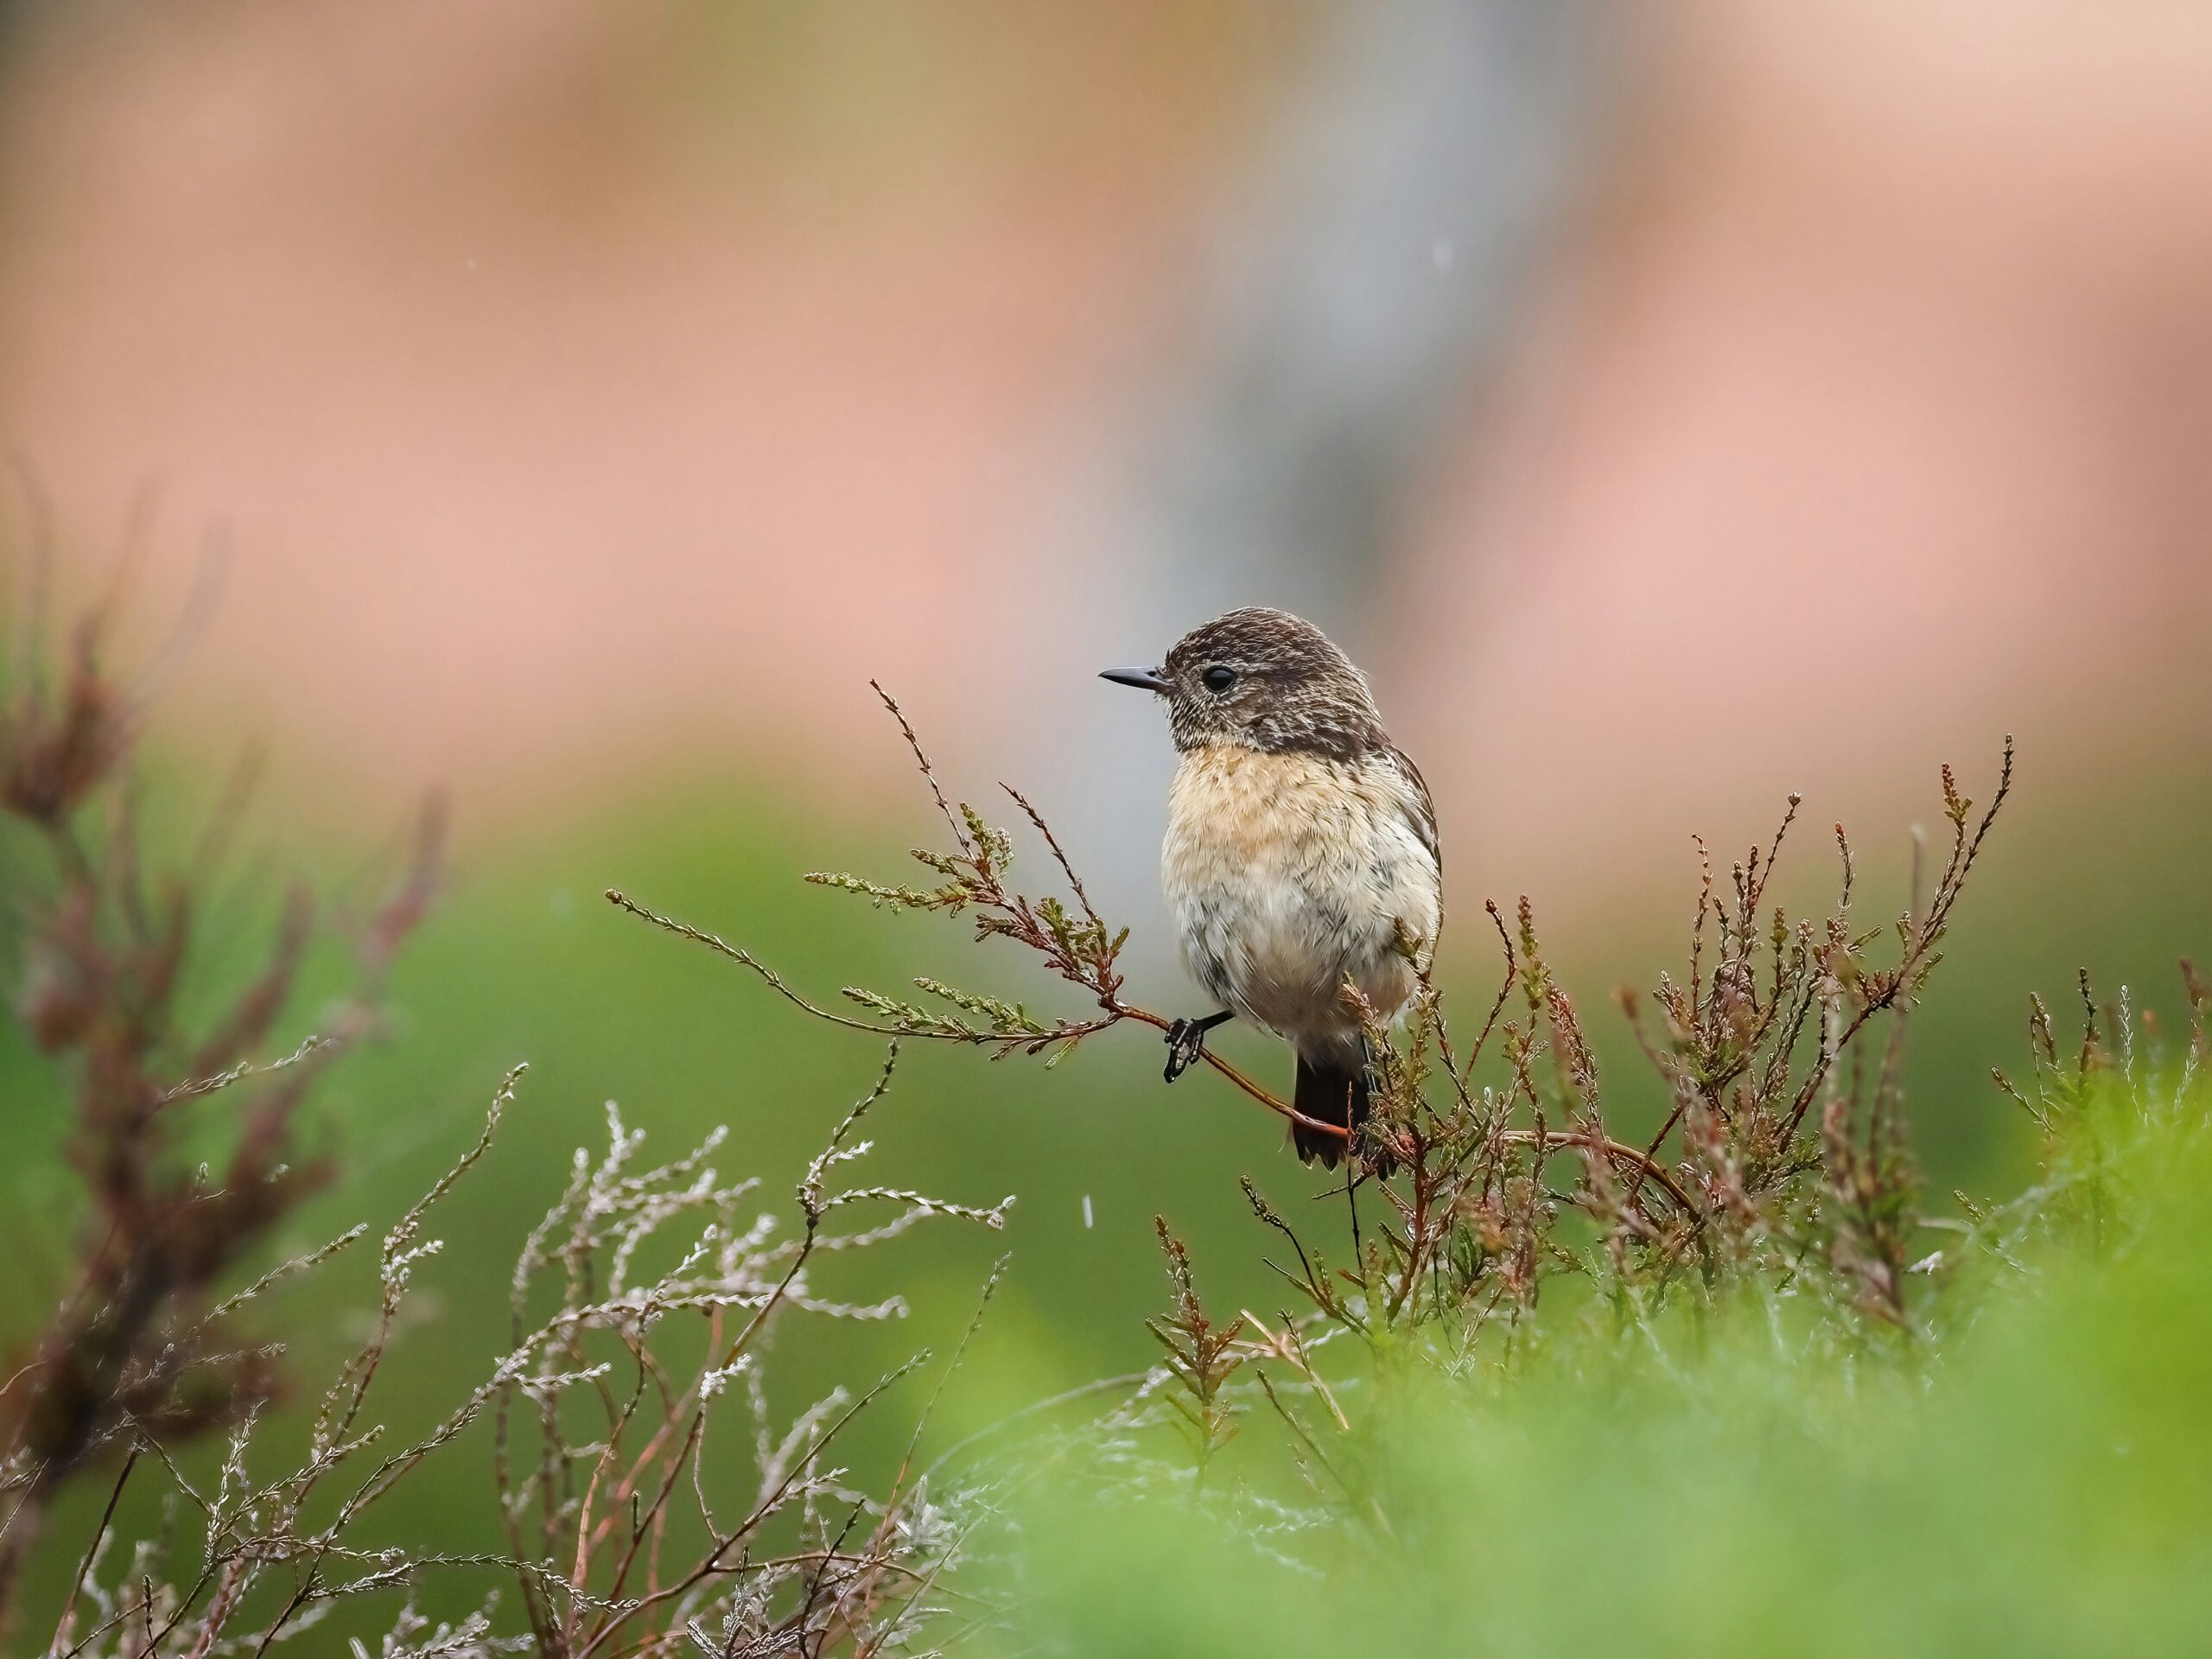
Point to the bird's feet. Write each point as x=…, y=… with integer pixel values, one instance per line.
x=1186, y=1040
x=1186, y=1043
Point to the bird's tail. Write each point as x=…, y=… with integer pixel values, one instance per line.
x=1331, y=1088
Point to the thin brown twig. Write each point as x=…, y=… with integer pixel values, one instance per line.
x=92, y=1549
x=1545, y=1139
x=929, y=772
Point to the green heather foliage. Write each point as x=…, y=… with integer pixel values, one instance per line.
x=2033, y=1475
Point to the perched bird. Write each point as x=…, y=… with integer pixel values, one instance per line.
x=1300, y=854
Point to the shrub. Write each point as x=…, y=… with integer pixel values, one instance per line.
x=142, y=1344
x=599, y=1407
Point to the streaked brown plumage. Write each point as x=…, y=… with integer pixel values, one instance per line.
x=1301, y=850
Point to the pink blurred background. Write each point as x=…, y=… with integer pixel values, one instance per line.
x=1671, y=406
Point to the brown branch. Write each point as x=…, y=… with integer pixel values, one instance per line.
x=1059, y=856
x=620, y=1614
x=929, y=771
x=1282, y=1108
x=1544, y=1140
x=92, y=1549
x=745, y=959
x=1116, y=1012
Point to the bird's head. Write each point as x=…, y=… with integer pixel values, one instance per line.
x=1262, y=679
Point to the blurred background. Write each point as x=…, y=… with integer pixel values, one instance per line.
x=1672, y=406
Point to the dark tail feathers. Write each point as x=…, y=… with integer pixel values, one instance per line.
x=1332, y=1090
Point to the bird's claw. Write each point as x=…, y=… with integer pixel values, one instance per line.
x=1187, y=1042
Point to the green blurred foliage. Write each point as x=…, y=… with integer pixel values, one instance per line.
x=1717, y=1483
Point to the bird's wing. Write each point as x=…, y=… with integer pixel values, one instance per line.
x=1420, y=810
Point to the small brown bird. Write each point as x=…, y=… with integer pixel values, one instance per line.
x=1300, y=854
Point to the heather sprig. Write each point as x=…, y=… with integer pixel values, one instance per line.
x=597, y=1440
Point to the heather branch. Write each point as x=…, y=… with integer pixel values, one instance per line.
x=1063, y=1030
x=112, y=960
x=1887, y=987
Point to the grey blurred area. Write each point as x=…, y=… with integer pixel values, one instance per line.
x=1356, y=287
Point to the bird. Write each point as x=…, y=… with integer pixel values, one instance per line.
x=1300, y=855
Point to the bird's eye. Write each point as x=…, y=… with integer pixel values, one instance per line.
x=1218, y=678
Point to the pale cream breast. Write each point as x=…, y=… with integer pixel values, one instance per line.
x=1288, y=872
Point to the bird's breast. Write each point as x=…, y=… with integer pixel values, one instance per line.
x=1286, y=873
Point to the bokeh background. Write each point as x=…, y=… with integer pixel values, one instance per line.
x=1671, y=406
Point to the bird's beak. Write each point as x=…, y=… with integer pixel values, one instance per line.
x=1144, y=679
